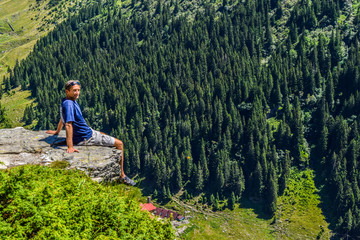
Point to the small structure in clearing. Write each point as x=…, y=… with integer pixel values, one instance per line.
x=163, y=213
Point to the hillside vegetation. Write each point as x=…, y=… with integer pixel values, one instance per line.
x=22, y=24
x=215, y=97
x=246, y=221
x=38, y=202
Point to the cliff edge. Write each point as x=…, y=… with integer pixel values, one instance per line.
x=19, y=146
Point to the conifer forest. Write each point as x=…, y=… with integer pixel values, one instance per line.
x=216, y=98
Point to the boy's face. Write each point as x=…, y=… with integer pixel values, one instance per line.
x=73, y=93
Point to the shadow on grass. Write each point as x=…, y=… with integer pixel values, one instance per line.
x=257, y=206
x=325, y=205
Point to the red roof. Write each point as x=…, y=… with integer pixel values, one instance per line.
x=161, y=212
x=148, y=206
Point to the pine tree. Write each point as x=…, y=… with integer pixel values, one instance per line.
x=271, y=191
x=164, y=193
x=330, y=90
x=185, y=195
x=285, y=173
x=298, y=135
x=220, y=180
x=178, y=176
x=212, y=200
x=203, y=161
x=257, y=181
x=232, y=201
x=323, y=140
x=348, y=221
x=199, y=180
x=216, y=205
x=155, y=194
x=4, y=123
x=168, y=193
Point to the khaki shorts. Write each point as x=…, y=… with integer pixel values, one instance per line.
x=98, y=139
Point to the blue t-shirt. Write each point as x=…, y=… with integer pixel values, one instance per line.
x=70, y=112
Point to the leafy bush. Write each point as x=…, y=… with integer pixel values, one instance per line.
x=45, y=203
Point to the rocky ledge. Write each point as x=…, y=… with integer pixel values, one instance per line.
x=19, y=146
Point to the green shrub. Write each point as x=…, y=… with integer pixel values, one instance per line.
x=46, y=203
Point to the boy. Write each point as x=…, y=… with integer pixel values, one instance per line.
x=77, y=130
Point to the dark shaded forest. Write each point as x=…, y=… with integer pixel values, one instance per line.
x=214, y=103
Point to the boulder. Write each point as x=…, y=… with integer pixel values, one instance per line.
x=19, y=146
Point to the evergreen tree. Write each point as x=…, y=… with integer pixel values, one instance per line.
x=285, y=173
x=232, y=201
x=212, y=200
x=271, y=191
x=199, y=180
x=4, y=123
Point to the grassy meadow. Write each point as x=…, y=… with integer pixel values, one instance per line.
x=15, y=103
x=25, y=19
x=298, y=215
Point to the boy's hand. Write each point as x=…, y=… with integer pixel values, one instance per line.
x=71, y=150
x=52, y=132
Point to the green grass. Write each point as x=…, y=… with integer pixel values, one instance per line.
x=31, y=20
x=241, y=223
x=15, y=104
x=4, y=27
x=298, y=216
x=60, y=164
x=13, y=43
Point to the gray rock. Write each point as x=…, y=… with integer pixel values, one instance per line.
x=19, y=146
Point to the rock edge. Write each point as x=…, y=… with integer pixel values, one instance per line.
x=19, y=146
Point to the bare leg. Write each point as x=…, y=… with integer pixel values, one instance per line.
x=119, y=145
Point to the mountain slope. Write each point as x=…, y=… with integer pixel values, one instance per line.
x=219, y=100
x=22, y=24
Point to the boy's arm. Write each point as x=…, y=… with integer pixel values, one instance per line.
x=59, y=127
x=69, y=138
